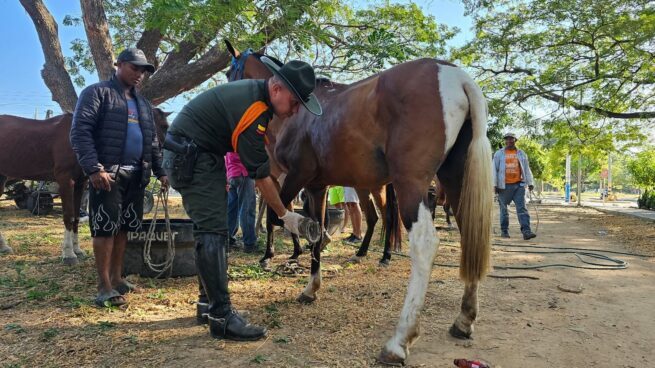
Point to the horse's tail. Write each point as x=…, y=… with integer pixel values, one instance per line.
x=476, y=199
x=392, y=232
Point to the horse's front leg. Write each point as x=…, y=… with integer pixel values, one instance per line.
x=317, y=213
x=78, y=192
x=66, y=186
x=265, y=261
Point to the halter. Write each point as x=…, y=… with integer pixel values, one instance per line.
x=239, y=66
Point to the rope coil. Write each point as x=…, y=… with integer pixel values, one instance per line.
x=167, y=264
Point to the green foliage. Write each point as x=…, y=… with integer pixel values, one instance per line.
x=536, y=156
x=539, y=56
x=341, y=40
x=642, y=168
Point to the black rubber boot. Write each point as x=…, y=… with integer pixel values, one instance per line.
x=224, y=322
x=202, y=307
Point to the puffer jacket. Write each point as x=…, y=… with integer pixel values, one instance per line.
x=100, y=127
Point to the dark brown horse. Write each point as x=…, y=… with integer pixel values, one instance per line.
x=402, y=125
x=41, y=150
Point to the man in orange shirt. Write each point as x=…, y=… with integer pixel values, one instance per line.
x=511, y=174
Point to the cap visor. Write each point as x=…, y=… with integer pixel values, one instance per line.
x=149, y=67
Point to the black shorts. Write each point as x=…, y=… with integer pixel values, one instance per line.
x=120, y=209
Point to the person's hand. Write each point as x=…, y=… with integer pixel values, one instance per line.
x=530, y=187
x=164, y=183
x=497, y=190
x=291, y=221
x=101, y=181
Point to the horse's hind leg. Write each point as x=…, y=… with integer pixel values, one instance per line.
x=451, y=175
x=66, y=185
x=423, y=240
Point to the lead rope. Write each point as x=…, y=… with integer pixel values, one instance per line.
x=167, y=264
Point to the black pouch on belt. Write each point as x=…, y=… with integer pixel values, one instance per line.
x=185, y=159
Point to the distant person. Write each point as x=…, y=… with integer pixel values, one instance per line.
x=352, y=204
x=511, y=174
x=241, y=203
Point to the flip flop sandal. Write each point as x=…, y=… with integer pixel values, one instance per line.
x=110, y=299
x=126, y=287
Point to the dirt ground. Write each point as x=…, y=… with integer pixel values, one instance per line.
x=47, y=318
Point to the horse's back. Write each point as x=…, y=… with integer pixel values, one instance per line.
x=31, y=149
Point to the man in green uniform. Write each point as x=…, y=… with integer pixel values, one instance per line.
x=231, y=117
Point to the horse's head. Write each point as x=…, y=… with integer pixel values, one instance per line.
x=161, y=123
x=247, y=64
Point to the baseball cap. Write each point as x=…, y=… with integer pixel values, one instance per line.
x=136, y=57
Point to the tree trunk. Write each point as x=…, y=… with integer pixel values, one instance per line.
x=54, y=71
x=97, y=34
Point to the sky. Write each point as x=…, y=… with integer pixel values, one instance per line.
x=23, y=92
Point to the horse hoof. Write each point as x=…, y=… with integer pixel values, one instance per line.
x=304, y=299
x=70, y=261
x=388, y=358
x=81, y=254
x=355, y=259
x=265, y=265
x=459, y=334
x=384, y=263
x=6, y=250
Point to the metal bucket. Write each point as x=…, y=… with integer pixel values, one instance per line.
x=184, y=263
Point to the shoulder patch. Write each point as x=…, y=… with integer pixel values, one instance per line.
x=261, y=129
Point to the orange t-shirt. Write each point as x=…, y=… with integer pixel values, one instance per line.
x=512, y=167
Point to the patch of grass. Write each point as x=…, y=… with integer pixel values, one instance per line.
x=44, y=291
x=76, y=302
x=49, y=334
x=274, y=315
x=14, y=327
x=259, y=359
x=160, y=295
x=106, y=325
x=282, y=340
x=131, y=339
x=248, y=272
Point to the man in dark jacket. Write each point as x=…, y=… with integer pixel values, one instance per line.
x=114, y=138
x=232, y=117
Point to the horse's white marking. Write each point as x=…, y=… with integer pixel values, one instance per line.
x=67, y=246
x=76, y=244
x=454, y=101
x=423, y=242
x=313, y=285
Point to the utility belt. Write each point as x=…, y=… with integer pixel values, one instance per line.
x=184, y=161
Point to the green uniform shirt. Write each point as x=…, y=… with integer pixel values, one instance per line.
x=211, y=117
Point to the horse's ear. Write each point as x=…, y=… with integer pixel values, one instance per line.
x=231, y=49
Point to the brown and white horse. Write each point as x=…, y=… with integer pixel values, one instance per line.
x=402, y=125
x=41, y=150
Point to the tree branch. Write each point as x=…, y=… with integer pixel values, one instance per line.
x=54, y=71
x=97, y=34
x=583, y=107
